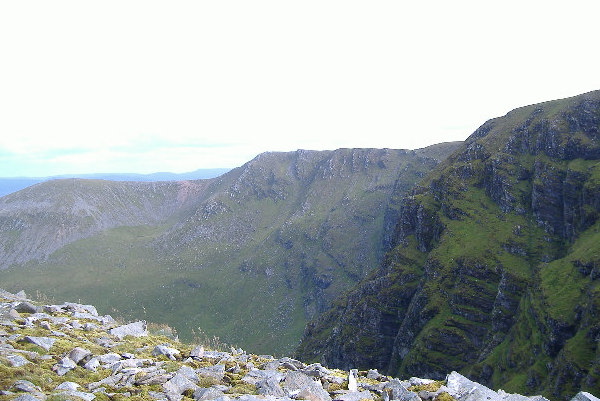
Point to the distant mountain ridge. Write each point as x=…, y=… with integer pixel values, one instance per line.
x=13, y=184
x=249, y=256
x=493, y=263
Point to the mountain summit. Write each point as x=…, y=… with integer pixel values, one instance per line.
x=494, y=263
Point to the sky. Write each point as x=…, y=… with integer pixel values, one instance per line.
x=149, y=86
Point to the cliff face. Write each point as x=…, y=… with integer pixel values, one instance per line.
x=493, y=263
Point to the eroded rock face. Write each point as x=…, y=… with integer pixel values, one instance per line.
x=484, y=251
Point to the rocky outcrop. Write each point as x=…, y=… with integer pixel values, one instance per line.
x=485, y=273
x=93, y=359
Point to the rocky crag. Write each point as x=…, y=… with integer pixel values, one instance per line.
x=493, y=265
x=282, y=235
x=70, y=352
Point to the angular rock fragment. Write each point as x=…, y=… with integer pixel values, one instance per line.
x=29, y=397
x=26, y=307
x=44, y=342
x=17, y=361
x=584, y=396
x=255, y=376
x=354, y=396
x=301, y=386
x=169, y=352
x=206, y=394
x=26, y=386
x=80, y=355
x=197, y=352
x=63, y=366
x=216, y=372
x=396, y=391
x=270, y=387
x=136, y=329
x=179, y=384
x=68, y=386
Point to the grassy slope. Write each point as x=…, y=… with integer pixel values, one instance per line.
x=267, y=249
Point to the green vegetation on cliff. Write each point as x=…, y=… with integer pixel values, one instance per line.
x=506, y=237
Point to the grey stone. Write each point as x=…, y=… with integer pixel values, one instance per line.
x=270, y=387
x=354, y=396
x=188, y=372
x=26, y=386
x=216, y=372
x=204, y=394
x=179, y=384
x=92, y=365
x=105, y=342
x=464, y=389
x=415, y=381
x=373, y=374
x=109, y=358
x=583, y=396
x=75, y=324
x=80, y=355
x=85, y=315
x=169, y=352
x=26, y=307
x=197, y=352
x=28, y=397
x=45, y=325
x=152, y=378
x=17, y=360
x=504, y=396
x=334, y=379
x=292, y=362
x=44, y=342
x=13, y=314
x=68, y=386
x=136, y=329
x=255, y=376
x=397, y=391
x=302, y=386
x=316, y=370
x=79, y=394
x=216, y=354
x=157, y=395
x=73, y=307
x=63, y=366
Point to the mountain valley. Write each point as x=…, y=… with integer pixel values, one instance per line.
x=480, y=257
x=249, y=256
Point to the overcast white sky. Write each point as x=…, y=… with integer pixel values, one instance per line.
x=146, y=86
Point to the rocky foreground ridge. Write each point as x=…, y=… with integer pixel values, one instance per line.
x=69, y=352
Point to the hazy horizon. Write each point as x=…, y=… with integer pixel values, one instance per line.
x=154, y=86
